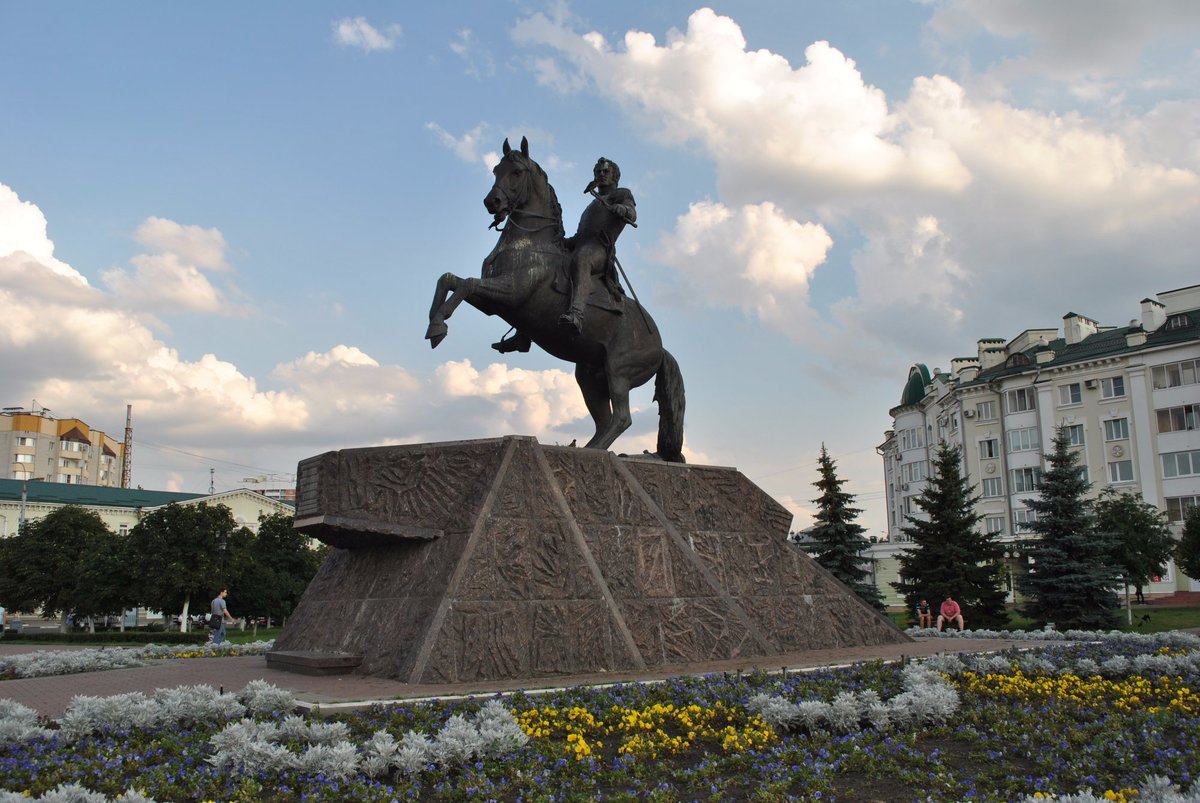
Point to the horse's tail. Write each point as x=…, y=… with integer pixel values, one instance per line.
x=668, y=392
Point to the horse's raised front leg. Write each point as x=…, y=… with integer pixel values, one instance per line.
x=443, y=307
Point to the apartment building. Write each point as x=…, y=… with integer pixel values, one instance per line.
x=36, y=445
x=1128, y=396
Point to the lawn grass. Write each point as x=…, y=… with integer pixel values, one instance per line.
x=1146, y=619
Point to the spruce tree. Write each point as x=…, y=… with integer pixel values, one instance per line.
x=1071, y=581
x=838, y=539
x=1187, y=551
x=950, y=554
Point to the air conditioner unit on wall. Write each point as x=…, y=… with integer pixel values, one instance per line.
x=1091, y=384
x=968, y=413
x=904, y=487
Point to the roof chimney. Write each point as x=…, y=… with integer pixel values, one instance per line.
x=1154, y=314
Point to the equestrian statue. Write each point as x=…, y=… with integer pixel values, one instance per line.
x=562, y=293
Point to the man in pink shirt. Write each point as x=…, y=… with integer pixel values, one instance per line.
x=949, y=612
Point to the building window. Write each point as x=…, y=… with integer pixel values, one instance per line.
x=1178, y=507
x=912, y=438
x=1120, y=471
x=1023, y=517
x=1116, y=429
x=954, y=422
x=1074, y=434
x=914, y=472
x=993, y=487
x=1023, y=440
x=1069, y=394
x=989, y=448
x=986, y=411
x=23, y=441
x=1112, y=387
x=123, y=529
x=1176, y=374
x=993, y=524
x=1181, y=464
x=22, y=458
x=1021, y=399
x=1026, y=480
x=1179, y=419
x=910, y=505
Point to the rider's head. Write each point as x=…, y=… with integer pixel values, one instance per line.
x=612, y=166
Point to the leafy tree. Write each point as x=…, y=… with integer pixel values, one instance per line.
x=1072, y=580
x=280, y=564
x=838, y=539
x=950, y=554
x=182, y=553
x=1187, y=552
x=66, y=562
x=1138, y=533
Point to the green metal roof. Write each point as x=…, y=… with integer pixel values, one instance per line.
x=914, y=389
x=62, y=493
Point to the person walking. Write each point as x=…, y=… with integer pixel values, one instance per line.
x=219, y=615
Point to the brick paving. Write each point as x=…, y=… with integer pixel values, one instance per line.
x=50, y=696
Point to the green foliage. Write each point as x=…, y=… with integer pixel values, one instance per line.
x=1072, y=579
x=838, y=539
x=950, y=554
x=276, y=568
x=1138, y=534
x=1187, y=553
x=182, y=553
x=65, y=562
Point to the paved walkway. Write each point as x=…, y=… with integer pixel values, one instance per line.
x=50, y=696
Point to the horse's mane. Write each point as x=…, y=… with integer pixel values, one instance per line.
x=560, y=232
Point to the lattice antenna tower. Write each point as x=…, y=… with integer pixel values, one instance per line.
x=127, y=452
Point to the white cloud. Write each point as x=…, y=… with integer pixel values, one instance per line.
x=818, y=129
x=754, y=258
x=1070, y=39
x=204, y=248
x=357, y=32
x=170, y=278
x=527, y=401
x=478, y=59
x=469, y=147
x=24, y=231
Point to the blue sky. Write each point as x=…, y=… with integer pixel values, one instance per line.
x=232, y=215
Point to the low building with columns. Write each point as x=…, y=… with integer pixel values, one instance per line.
x=1127, y=396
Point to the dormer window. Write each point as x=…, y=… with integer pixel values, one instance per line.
x=1016, y=361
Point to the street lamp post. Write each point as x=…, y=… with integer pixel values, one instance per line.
x=24, y=496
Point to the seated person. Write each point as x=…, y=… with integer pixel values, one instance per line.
x=949, y=612
x=924, y=614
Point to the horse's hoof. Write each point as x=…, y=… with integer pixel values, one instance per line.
x=436, y=333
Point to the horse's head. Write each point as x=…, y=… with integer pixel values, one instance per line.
x=512, y=188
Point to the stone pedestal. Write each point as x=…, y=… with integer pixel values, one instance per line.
x=506, y=559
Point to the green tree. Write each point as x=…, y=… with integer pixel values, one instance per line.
x=1072, y=580
x=1187, y=552
x=950, y=554
x=183, y=554
x=838, y=540
x=281, y=563
x=64, y=563
x=1138, y=533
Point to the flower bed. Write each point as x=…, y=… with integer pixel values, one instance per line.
x=1119, y=716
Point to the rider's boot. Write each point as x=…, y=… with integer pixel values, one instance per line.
x=572, y=318
x=518, y=342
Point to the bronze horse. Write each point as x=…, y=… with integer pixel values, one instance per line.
x=620, y=347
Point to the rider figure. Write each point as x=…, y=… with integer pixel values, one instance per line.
x=595, y=241
x=593, y=247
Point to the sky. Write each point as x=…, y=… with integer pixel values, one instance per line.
x=232, y=216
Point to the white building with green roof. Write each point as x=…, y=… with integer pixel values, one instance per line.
x=1128, y=396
